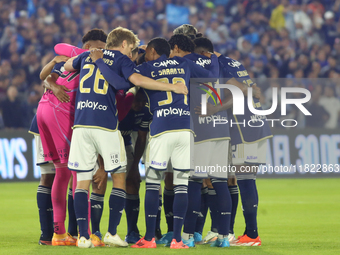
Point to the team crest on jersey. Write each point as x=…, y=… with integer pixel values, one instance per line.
x=165, y=63
x=234, y=63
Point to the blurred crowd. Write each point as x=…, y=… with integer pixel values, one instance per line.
x=272, y=38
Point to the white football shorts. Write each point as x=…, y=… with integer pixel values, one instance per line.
x=249, y=153
x=211, y=159
x=87, y=143
x=46, y=167
x=171, y=145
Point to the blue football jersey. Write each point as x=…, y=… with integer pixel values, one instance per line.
x=95, y=100
x=170, y=111
x=58, y=68
x=134, y=121
x=243, y=133
x=204, y=127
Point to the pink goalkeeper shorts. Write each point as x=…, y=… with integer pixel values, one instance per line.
x=55, y=132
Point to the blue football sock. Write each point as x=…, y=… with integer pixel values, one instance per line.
x=72, y=221
x=194, y=204
x=97, y=205
x=249, y=198
x=179, y=209
x=203, y=211
x=158, y=221
x=132, y=212
x=117, y=204
x=224, y=205
x=81, y=210
x=234, y=203
x=168, y=201
x=212, y=203
x=151, y=209
x=44, y=203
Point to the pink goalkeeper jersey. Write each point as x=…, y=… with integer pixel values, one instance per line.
x=71, y=81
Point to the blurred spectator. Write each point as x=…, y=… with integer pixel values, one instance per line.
x=13, y=110
x=329, y=29
x=331, y=105
x=319, y=115
x=277, y=19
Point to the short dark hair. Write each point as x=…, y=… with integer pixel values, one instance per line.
x=204, y=43
x=183, y=42
x=94, y=35
x=160, y=45
x=141, y=59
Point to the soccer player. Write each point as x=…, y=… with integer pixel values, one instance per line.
x=181, y=46
x=47, y=169
x=55, y=120
x=96, y=123
x=44, y=201
x=249, y=145
x=210, y=149
x=170, y=137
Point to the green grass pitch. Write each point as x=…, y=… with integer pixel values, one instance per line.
x=296, y=216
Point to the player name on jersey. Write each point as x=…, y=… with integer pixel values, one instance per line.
x=240, y=131
x=170, y=111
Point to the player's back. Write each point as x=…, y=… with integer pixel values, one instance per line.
x=240, y=133
x=170, y=111
x=204, y=126
x=95, y=100
x=198, y=59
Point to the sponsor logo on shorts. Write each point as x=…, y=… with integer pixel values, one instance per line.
x=251, y=157
x=50, y=154
x=164, y=163
x=153, y=162
x=76, y=164
x=91, y=105
x=70, y=163
x=172, y=111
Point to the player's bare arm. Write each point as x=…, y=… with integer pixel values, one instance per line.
x=69, y=65
x=58, y=90
x=48, y=68
x=133, y=174
x=100, y=176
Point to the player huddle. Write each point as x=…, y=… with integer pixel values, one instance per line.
x=111, y=102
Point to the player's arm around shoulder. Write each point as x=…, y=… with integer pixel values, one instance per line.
x=69, y=64
x=49, y=66
x=148, y=83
